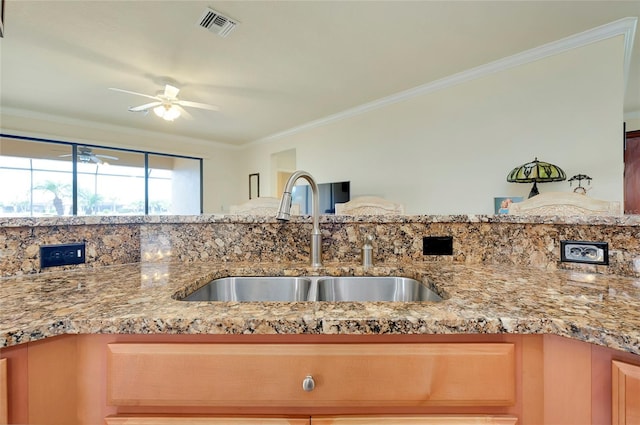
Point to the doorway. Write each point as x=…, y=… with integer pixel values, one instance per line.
x=283, y=164
x=632, y=173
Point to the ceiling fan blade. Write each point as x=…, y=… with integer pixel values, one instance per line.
x=171, y=92
x=145, y=106
x=197, y=105
x=136, y=93
x=183, y=112
x=113, y=158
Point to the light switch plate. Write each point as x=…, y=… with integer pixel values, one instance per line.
x=584, y=252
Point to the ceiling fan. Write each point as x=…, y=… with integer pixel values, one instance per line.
x=86, y=155
x=166, y=104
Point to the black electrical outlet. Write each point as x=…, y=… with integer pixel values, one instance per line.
x=437, y=245
x=62, y=255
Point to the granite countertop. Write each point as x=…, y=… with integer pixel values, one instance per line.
x=141, y=298
x=612, y=220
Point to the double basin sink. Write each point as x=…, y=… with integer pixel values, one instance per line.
x=314, y=288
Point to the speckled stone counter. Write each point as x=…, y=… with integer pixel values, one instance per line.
x=508, y=240
x=141, y=299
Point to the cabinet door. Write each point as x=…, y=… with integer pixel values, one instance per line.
x=353, y=375
x=199, y=420
x=416, y=420
x=4, y=413
x=625, y=406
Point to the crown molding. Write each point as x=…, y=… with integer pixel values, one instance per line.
x=625, y=27
x=176, y=139
x=629, y=36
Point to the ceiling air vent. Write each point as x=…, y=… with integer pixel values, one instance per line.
x=217, y=23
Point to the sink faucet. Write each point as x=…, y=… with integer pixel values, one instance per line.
x=285, y=209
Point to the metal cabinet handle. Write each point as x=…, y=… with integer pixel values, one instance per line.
x=308, y=384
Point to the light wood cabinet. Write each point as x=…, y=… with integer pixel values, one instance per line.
x=446, y=374
x=417, y=420
x=4, y=412
x=557, y=380
x=333, y=420
x=625, y=383
x=197, y=420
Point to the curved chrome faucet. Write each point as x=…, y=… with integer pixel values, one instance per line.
x=284, y=213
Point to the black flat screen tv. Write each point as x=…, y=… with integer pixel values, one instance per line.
x=328, y=194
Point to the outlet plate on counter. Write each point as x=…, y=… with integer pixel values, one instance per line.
x=62, y=254
x=437, y=245
x=584, y=252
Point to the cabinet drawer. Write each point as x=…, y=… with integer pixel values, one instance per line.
x=343, y=374
x=417, y=420
x=337, y=420
x=200, y=420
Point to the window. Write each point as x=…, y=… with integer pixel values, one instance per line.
x=174, y=185
x=41, y=177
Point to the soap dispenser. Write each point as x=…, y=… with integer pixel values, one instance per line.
x=367, y=252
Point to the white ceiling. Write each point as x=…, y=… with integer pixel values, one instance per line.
x=286, y=64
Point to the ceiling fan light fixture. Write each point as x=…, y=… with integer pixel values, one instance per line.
x=166, y=104
x=167, y=112
x=171, y=114
x=159, y=110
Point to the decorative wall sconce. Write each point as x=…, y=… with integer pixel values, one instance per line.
x=580, y=189
x=536, y=172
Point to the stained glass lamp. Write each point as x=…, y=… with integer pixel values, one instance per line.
x=536, y=172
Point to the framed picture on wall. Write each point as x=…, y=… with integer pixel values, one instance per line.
x=254, y=185
x=501, y=204
x=1, y=18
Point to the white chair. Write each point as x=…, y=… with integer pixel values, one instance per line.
x=564, y=203
x=261, y=206
x=369, y=205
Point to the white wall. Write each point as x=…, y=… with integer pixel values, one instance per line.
x=450, y=151
x=633, y=124
x=445, y=152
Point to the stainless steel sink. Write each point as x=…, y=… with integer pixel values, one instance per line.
x=313, y=288
x=273, y=288
x=371, y=288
